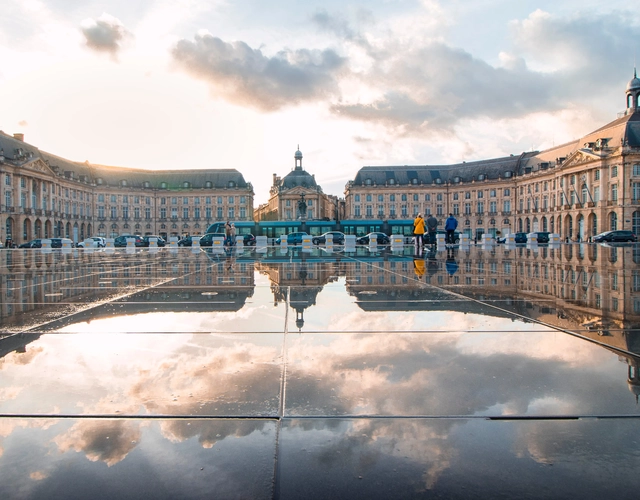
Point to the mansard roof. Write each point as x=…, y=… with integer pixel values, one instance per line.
x=494, y=168
x=299, y=177
x=20, y=153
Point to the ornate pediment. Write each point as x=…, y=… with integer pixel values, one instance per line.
x=39, y=166
x=579, y=157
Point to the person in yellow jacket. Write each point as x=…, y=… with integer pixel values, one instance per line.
x=418, y=232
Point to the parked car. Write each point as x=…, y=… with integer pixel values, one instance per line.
x=543, y=236
x=121, y=241
x=37, y=243
x=338, y=238
x=381, y=238
x=456, y=235
x=294, y=238
x=615, y=236
x=98, y=240
x=249, y=240
x=145, y=240
x=207, y=239
x=185, y=242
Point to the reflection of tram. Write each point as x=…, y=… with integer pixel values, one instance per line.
x=358, y=227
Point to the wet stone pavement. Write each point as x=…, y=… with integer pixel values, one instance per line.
x=475, y=372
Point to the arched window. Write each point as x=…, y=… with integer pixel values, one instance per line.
x=594, y=227
x=544, y=224
x=519, y=225
x=613, y=221
x=527, y=225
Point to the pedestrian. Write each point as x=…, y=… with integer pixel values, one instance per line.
x=418, y=232
x=450, y=227
x=227, y=234
x=432, y=229
x=233, y=234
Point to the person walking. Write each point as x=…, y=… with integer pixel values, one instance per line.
x=432, y=229
x=418, y=232
x=450, y=227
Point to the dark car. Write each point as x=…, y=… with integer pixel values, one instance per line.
x=185, y=242
x=249, y=240
x=456, y=235
x=381, y=238
x=338, y=238
x=207, y=239
x=121, y=241
x=31, y=244
x=145, y=240
x=543, y=236
x=615, y=236
x=294, y=238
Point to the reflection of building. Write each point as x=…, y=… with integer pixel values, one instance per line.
x=36, y=282
x=299, y=282
x=297, y=196
x=45, y=196
x=577, y=189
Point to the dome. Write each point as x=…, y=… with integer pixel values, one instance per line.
x=299, y=178
x=298, y=154
x=634, y=83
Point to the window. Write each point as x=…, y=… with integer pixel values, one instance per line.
x=404, y=197
x=480, y=194
x=467, y=208
x=196, y=212
x=392, y=197
x=368, y=197
x=427, y=197
x=218, y=212
x=467, y=195
x=174, y=201
x=439, y=197
x=492, y=193
x=456, y=209
x=7, y=180
x=573, y=180
x=113, y=198
x=369, y=211
x=125, y=211
x=356, y=210
x=380, y=210
x=614, y=192
x=163, y=201
x=114, y=212
x=243, y=200
x=614, y=171
x=415, y=197
x=147, y=213
x=174, y=213
x=480, y=207
x=506, y=192
x=455, y=196
x=185, y=200
x=439, y=210
x=596, y=194
x=493, y=207
x=506, y=205
x=232, y=213
x=356, y=198
x=100, y=198
x=613, y=221
x=7, y=198
x=635, y=191
x=404, y=210
x=380, y=197
x=309, y=203
x=185, y=213
x=636, y=169
x=125, y=198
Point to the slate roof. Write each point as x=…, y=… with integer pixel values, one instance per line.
x=298, y=177
x=112, y=176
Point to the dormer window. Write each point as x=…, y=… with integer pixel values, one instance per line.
x=231, y=184
x=482, y=177
x=123, y=183
x=186, y=185
x=392, y=182
x=508, y=174
x=456, y=179
x=99, y=181
x=414, y=181
x=367, y=182
x=163, y=185
x=147, y=184
x=438, y=180
x=208, y=184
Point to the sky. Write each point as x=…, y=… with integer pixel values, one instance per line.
x=181, y=84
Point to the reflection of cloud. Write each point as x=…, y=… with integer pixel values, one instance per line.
x=108, y=441
x=20, y=358
x=38, y=475
x=7, y=393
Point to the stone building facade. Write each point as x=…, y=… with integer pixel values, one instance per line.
x=297, y=196
x=577, y=190
x=44, y=196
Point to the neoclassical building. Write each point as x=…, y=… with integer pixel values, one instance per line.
x=577, y=189
x=297, y=196
x=46, y=196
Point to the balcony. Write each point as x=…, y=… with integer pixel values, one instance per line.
x=506, y=213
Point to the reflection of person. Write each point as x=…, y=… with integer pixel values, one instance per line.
x=419, y=267
x=451, y=265
x=450, y=227
x=418, y=232
x=432, y=228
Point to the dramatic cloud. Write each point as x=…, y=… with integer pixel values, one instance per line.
x=105, y=34
x=246, y=76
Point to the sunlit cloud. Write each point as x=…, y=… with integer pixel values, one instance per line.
x=105, y=34
x=248, y=77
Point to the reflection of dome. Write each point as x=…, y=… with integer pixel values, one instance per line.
x=299, y=178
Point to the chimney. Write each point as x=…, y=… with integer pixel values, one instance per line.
x=274, y=179
x=18, y=136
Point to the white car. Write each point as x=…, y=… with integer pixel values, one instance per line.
x=93, y=241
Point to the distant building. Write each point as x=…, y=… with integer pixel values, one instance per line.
x=297, y=196
x=46, y=196
x=578, y=189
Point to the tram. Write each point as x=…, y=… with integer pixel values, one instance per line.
x=357, y=227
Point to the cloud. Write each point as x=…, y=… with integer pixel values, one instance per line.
x=245, y=76
x=105, y=34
